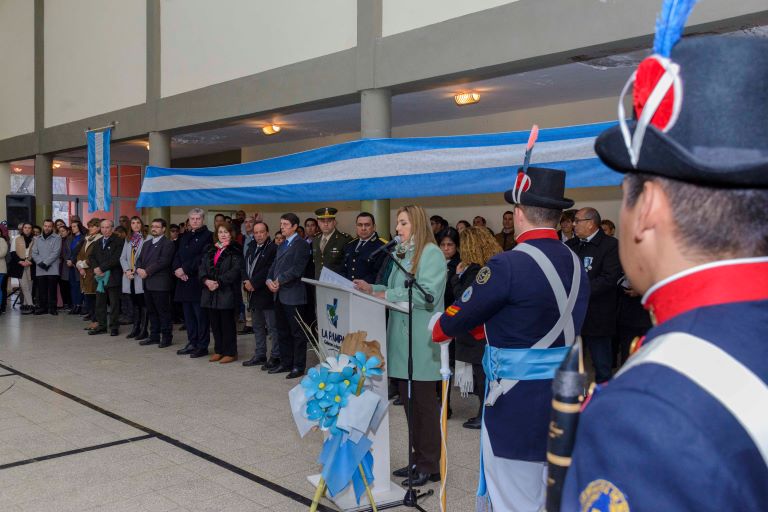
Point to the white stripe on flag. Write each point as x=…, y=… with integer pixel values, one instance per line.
x=386, y=166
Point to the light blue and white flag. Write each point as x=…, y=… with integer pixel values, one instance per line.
x=99, y=193
x=385, y=168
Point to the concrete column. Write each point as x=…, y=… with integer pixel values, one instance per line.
x=159, y=156
x=43, y=187
x=5, y=186
x=376, y=122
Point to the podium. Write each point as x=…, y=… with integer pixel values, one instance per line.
x=341, y=310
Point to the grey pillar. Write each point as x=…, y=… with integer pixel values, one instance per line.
x=5, y=186
x=43, y=187
x=159, y=156
x=376, y=122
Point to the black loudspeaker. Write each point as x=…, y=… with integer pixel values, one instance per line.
x=19, y=208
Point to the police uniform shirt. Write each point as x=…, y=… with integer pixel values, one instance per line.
x=652, y=439
x=356, y=254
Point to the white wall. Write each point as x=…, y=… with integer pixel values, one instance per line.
x=95, y=57
x=207, y=42
x=403, y=15
x=17, y=61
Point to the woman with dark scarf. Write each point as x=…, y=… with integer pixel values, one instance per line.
x=220, y=273
x=23, y=246
x=69, y=249
x=132, y=283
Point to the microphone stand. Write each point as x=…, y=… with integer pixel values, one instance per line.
x=412, y=496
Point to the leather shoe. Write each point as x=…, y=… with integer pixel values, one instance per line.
x=228, y=359
x=113, y=332
x=53, y=312
x=39, y=312
x=185, y=351
x=295, y=374
x=419, y=479
x=254, y=361
x=148, y=341
x=96, y=331
x=397, y=401
x=165, y=344
x=272, y=363
x=245, y=330
x=473, y=423
x=200, y=352
x=402, y=472
x=215, y=357
x=279, y=369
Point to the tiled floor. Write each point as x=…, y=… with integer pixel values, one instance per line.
x=237, y=415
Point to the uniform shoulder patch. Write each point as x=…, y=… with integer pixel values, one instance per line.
x=483, y=275
x=452, y=310
x=466, y=295
x=603, y=496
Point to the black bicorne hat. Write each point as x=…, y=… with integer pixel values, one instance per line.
x=540, y=187
x=710, y=123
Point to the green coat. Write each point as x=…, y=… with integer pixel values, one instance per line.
x=333, y=255
x=431, y=275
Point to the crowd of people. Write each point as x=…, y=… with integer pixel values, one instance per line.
x=150, y=276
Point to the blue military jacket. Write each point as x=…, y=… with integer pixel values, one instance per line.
x=356, y=254
x=514, y=300
x=651, y=439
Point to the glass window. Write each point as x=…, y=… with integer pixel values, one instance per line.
x=130, y=180
x=22, y=184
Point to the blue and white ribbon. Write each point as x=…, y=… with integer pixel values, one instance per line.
x=99, y=193
x=385, y=168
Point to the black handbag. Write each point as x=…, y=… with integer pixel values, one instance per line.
x=14, y=269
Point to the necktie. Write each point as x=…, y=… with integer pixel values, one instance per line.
x=583, y=243
x=103, y=243
x=323, y=242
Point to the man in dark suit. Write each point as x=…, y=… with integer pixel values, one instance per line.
x=105, y=262
x=154, y=268
x=259, y=256
x=328, y=246
x=284, y=280
x=358, y=250
x=599, y=254
x=193, y=244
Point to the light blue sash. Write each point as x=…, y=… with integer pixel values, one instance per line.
x=522, y=364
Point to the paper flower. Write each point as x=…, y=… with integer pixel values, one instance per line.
x=318, y=382
x=337, y=364
x=333, y=402
x=367, y=366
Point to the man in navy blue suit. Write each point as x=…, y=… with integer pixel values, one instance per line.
x=684, y=424
x=284, y=280
x=530, y=303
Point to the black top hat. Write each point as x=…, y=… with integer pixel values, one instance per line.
x=540, y=187
x=711, y=127
x=326, y=213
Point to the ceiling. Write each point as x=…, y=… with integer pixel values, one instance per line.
x=577, y=81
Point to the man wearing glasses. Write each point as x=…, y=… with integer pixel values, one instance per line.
x=599, y=254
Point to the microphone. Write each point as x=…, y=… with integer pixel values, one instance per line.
x=384, y=248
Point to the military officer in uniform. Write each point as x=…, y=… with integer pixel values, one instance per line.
x=531, y=302
x=684, y=424
x=328, y=246
x=360, y=248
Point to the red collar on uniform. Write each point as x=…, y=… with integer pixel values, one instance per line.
x=537, y=233
x=722, y=282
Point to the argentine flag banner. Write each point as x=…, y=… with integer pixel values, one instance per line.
x=386, y=168
x=99, y=194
